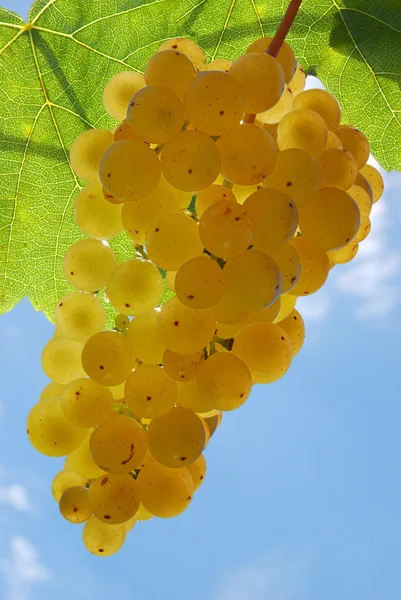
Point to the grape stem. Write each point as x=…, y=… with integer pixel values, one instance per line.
x=282, y=31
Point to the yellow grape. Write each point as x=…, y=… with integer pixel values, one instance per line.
x=117, y=391
x=155, y=114
x=124, y=132
x=268, y=314
x=214, y=102
x=188, y=47
x=227, y=330
x=213, y=422
x=177, y=438
x=61, y=360
x=253, y=280
x=265, y=349
x=296, y=174
x=130, y=524
x=331, y=221
x=297, y=83
x=224, y=380
x=182, y=367
x=121, y=322
x=294, y=327
x=338, y=168
x=361, y=199
x=143, y=337
x=281, y=108
x=165, y=492
x=333, y=141
x=185, y=330
x=190, y=397
x=287, y=259
x=118, y=445
x=285, y=57
x=248, y=155
x=273, y=217
x=85, y=403
x=375, y=180
x=303, y=129
x=108, y=358
x=287, y=304
x=79, y=315
x=74, y=505
x=199, y=282
x=270, y=128
x=214, y=194
x=149, y=391
x=143, y=514
x=96, y=216
x=87, y=264
x=218, y=65
x=241, y=192
x=114, y=498
x=81, y=460
x=197, y=471
x=322, y=103
x=314, y=268
x=343, y=255
x=49, y=431
x=226, y=312
x=190, y=161
x=102, y=539
x=63, y=480
x=87, y=151
x=135, y=286
x=362, y=182
x=130, y=170
x=51, y=390
x=119, y=90
x=171, y=69
x=363, y=231
x=173, y=240
x=110, y=198
x=355, y=142
x=261, y=78
x=225, y=229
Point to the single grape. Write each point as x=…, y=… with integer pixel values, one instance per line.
x=297, y=83
x=268, y=314
x=87, y=151
x=285, y=57
x=79, y=315
x=338, y=168
x=51, y=390
x=227, y=313
x=119, y=90
x=355, y=142
x=182, y=367
x=102, y=539
x=287, y=304
x=81, y=460
x=130, y=524
x=165, y=492
x=194, y=52
x=74, y=505
x=143, y=337
x=143, y=514
x=108, y=358
x=343, y=255
x=150, y=392
x=287, y=259
x=224, y=381
x=333, y=141
x=114, y=498
x=363, y=231
x=124, y=132
x=61, y=360
x=121, y=322
x=314, y=269
x=322, y=103
x=171, y=69
x=87, y=264
x=214, y=194
x=281, y=108
x=96, y=216
x=197, y=471
x=294, y=327
x=225, y=229
x=64, y=480
x=361, y=199
x=375, y=180
x=212, y=423
x=85, y=403
x=190, y=397
x=303, y=129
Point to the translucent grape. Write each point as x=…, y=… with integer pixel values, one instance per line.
x=363, y=231
x=51, y=390
x=182, y=367
x=170, y=280
x=227, y=313
x=188, y=47
x=303, y=129
x=63, y=480
x=322, y=103
x=287, y=304
x=79, y=315
x=82, y=462
x=199, y=282
x=124, y=132
x=190, y=397
x=121, y=322
x=268, y=314
x=294, y=327
x=297, y=83
x=287, y=259
x=108, y=358
x=219, y=64
x=117, y=391
x=343, y=255
x=224, y=381
x=74, y=505
x=190, y=161
x=114, y=498
x=281, y=108
x=119, y=90
x=173, y=240
x=87, y=264
x=87, y=151
x=333, y=141
x=130, y=524
x=314, y=269
x=101, y=538
x=135, y=286
x=185, y=330
x=355, y=142
x=150, y=392
x=338, y=168
x=165, y=492
x=242, y=192
x=118, y=444
x=225, y=229
x=144, y=339
x=375, y=180
x=85, y=403
x=61, y=360
x=361, y=199
x=285, y=57
x=215, y=194
x=248, y=155
x=96, y=216
x=212, y=423
x=143, y=514
x=110, y=198
x=171, y=69
x=197, y=471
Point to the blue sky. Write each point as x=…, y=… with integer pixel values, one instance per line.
x=302, y=497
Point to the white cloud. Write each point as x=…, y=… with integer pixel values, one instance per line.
x=16, y=496
x=314, y=308
x=22, y=569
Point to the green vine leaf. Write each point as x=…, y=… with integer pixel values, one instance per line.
x=53, y=71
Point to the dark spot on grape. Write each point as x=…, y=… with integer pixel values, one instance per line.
x=283, y=338
x=289, y=183
x=347, y=240
x=148, y=397
x=104, y=481
x=131, y=454
x=127, y=305
x=242, y=395
x=61, y=304
x=291, y=204
x=177, y=53
x=201, y=477
x=176, y=323
x=100, y=550
x=189, y=497
x=132, y=103
x=190, y=297
x=190, y=171
x=106, y=517
x=174, y=47
x=277, y=287
x=157, y=229
x=77, y=393
x=101, y=367
x=293, y=279
x=221, y=113
x=71, y=272
x=182, y=458
x=75, y=509
x=109, y=175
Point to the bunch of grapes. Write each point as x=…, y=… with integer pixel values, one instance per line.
x=240, y=191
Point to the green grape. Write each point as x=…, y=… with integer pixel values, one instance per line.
x=197, y=471
x=48, y=430
x=268, y=314
x=190, y=397
x=281, y=108
x=224, y=380
x=81, y=461
x=296, y=174
x=165, y=492
x=297, y=83
x=266, y=350
x=149, y=391
x=227, y=313
x=218, y=65
x=118, y=445
x=199, y=282
x=361, y=199
x=338, y=168
x=140, y=216
x=355, y=142
x=273, y=217
x=64, y=480
x=362, y=182
x=214, y=194
x=190, y=161
x=322, y=103
x=172, y=241
x=171, y=69
x=79, y=315
x=314, y=269
x=61, y=360
x=102, y=539
x=188, y=47
x=130, y=524
x=96, y=216
x=51, y=390
x=85, y=403
x=155, y=114
x=287, y=259
x=108, y=358
x=124, y=132
x=343, y=255
x=130, y=170
x=248, y=155
x=114, y=498
x=287, y=304
x=182, y=367
x=212, y=423
x=177, y=438
x=121, y=322
x=144, y=339
x=303, y=129
x=87, y=264
x=87, y=151
x=119, y=90
x=294, y=327
x=74, y=505
x=375, y=180
x=214, y=102
x=285, y=57
x=333, y=141
x=331, y=221
x=253, y=280
x=185, y=330
x=135, y=286
x=225, y=229
x=261, y=78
